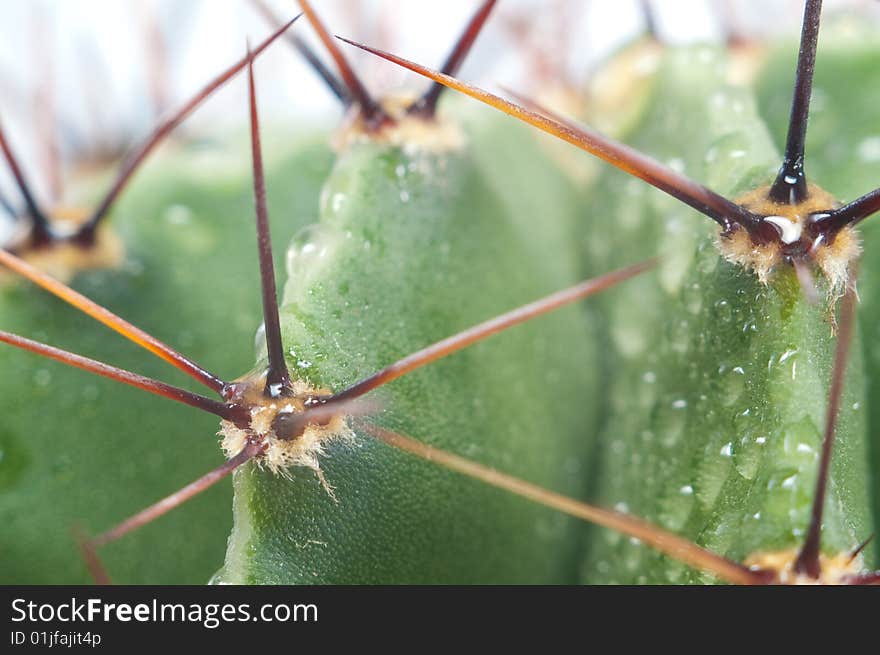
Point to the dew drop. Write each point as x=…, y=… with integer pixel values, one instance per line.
x=723, y=311
x=747, y=457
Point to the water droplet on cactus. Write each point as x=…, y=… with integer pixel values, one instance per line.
x=311, y=244
x=732, y=384
x=722, y=311
x=747, y=456
x=693, y=298
x=712, y=473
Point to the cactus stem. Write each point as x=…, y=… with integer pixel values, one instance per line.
x=486, y=329
x=121, y=375
x=86, y=233
x=41, y=232
x=7, y=207
x=277, y=377
x=790, y=186
x=649, y=18
x=337, y=88
x=111, y=320
x=808, y=559
x=373, y=113
x=90, y=557
x=426, y=106
x=671, y=544
x=725, y=212
x=179, y=497
x=850, y=214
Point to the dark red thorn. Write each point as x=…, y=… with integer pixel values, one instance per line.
x=865, y=579
x=179, y=497
x=790, y=186
x=86, y=233
x=373, y=113
x=337, y=88
x=41, y=230
x=426, y=106
x=851, y=213
x=858, y=550
x=277, y=377
x=486, y=329
x=723, y=211
x=126, y=377
x=808, y=559
x=90, y=557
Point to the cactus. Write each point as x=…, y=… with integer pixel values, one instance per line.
x=730, y=435
x=726, y=384
x=67, y=442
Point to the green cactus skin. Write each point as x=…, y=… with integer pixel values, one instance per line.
x=75, y=448
x=718, y=399
x=843, y=155
x=412, y=247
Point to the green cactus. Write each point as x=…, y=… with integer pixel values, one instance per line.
x=696, y=398
x=416, y=241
